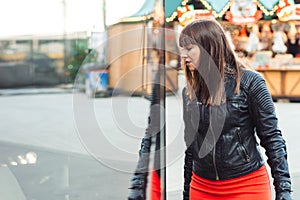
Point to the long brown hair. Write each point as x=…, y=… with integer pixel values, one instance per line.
x=206, y=83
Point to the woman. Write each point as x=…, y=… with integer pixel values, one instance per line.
x=226, y=105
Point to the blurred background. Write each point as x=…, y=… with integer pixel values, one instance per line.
x=44, y=43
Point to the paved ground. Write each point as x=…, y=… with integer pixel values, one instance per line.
x=87, y=148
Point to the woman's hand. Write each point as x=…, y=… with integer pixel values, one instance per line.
x=284, y=196
x=136, y=194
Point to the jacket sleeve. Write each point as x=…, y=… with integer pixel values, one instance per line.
x=270, y=135
x=188, y=160
x=139, y=180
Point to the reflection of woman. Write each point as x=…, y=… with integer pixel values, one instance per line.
x=139, y=180
x=225, y=106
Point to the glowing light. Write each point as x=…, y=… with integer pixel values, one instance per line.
x=31, y=157
x=22, y=160
x=265, y=11
x=13, y=163
x=175, y=14
x=215, y=14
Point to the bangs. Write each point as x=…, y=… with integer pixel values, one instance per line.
x=186, y=38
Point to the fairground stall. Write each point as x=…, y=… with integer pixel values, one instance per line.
x=134, y=49
x=264, y=33
x=268, y=38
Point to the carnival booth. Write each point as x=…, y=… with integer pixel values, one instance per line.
x=264, y=33
x=134, y=49
x=272, y=44
x=277, y=49
x=282, y=69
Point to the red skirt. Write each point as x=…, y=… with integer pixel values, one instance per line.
x=255, y=185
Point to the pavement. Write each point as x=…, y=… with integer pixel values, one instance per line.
x=87, y=148
x=31, y=90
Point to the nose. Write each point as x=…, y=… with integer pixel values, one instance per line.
x=183, y=53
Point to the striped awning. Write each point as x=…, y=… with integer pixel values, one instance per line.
x=218, y=8
x=268, y=6
x=146, y=11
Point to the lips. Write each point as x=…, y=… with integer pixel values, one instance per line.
x=190, y=65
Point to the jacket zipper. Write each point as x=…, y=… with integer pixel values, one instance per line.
x=214, y=149
x=215, y=165
x=242, y=145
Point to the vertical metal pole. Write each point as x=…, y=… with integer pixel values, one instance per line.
x=65, y=34
x=105, y=32
x=104, y=14
x=162, y=81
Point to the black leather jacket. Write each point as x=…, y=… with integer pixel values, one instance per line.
x=228, y=147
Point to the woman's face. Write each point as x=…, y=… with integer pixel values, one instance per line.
x=191, y=56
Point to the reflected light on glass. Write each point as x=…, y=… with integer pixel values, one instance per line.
x=31, y=157
x=13, y=163
x=22, y=160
